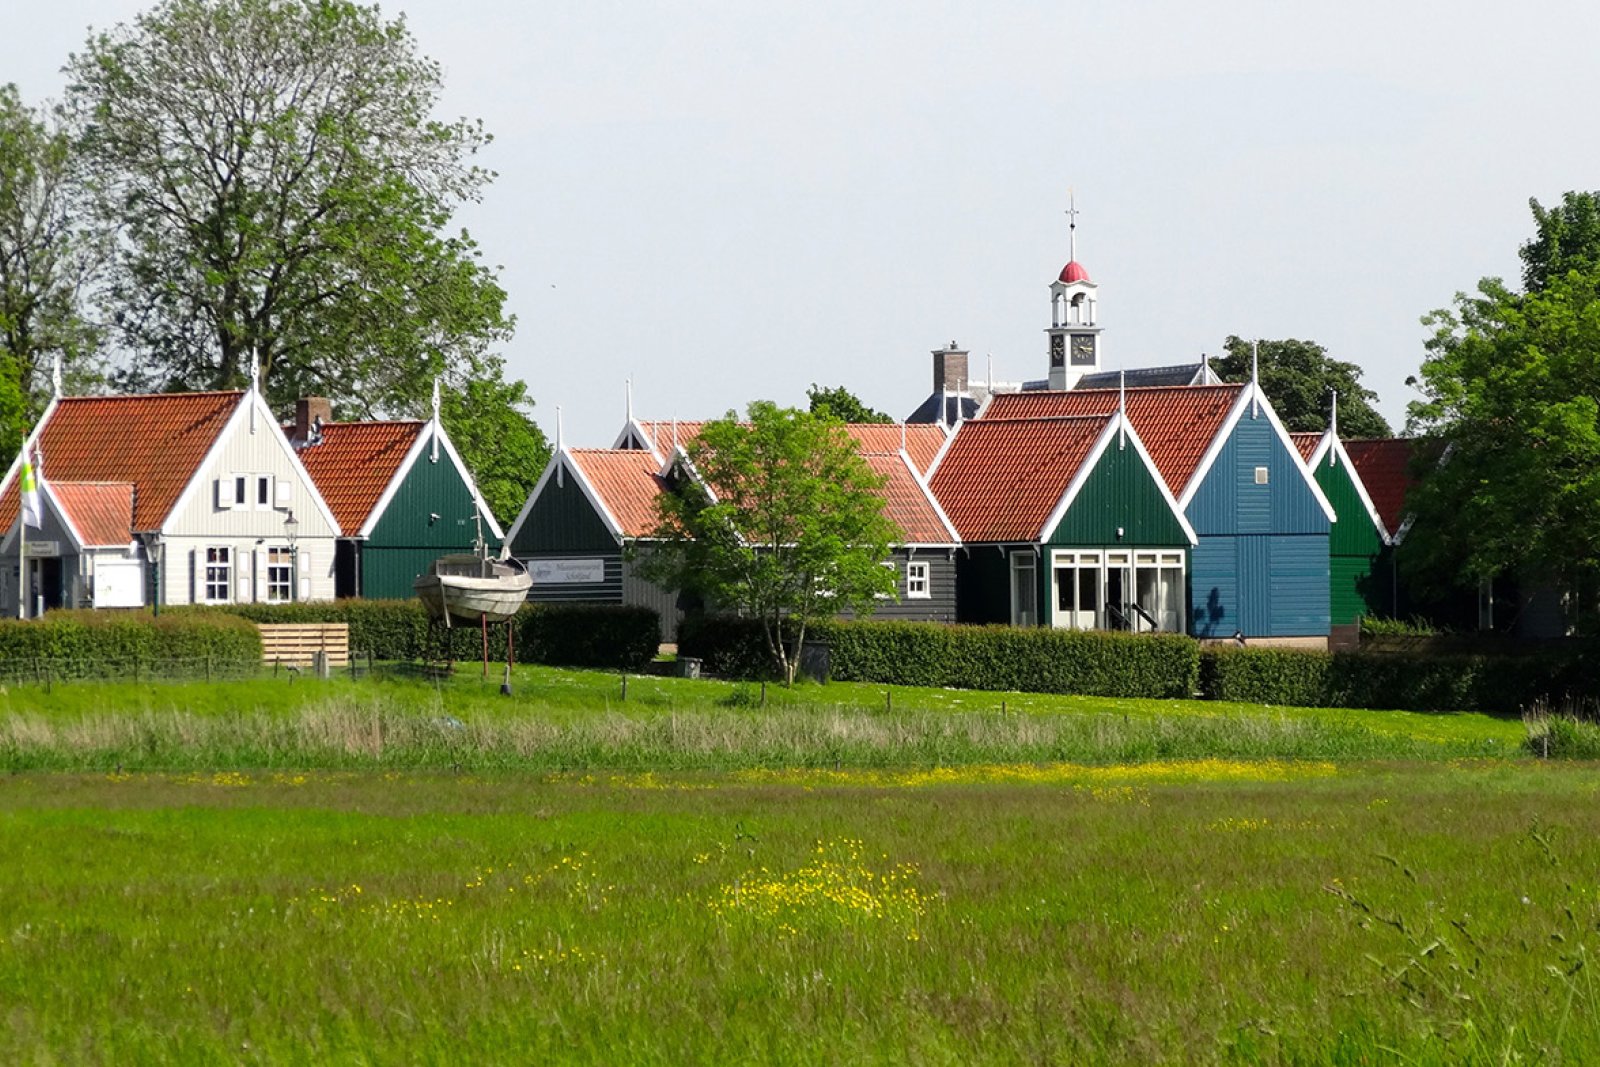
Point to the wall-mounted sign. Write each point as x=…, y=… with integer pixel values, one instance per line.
x=567, y=571
x=43, y=548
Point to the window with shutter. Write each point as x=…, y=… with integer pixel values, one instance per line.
x=225, y=492
x=285, y=493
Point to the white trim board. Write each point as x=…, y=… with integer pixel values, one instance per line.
x=1252, y=393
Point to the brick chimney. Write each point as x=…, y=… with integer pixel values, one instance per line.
x=307, y=410
x=950, y=370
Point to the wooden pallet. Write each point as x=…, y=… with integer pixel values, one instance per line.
x=293, y=644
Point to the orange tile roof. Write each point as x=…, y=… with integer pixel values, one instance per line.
x=154, y=441
x=1306, y=443
x=923, y=440
x=1176, y=423
x=627, y=481
x=101, y=512
x=1384, y=466
x=355, y=463
x=907, y=503
x=1002, y=477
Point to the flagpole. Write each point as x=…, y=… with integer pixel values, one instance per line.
x=22, y=553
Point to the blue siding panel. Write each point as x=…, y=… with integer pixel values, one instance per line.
x=1263, y=585
x=1299, y=603
x=1230, y=501
x=1214, y=587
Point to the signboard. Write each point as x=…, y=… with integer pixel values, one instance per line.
x=567, y=571
x=43, y=548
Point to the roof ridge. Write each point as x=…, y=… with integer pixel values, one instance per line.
x=150, y=396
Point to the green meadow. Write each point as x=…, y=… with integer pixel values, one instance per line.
x=393, y=870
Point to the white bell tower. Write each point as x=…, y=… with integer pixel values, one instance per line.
x=1074, y=323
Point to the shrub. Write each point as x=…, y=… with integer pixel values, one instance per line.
x=105, y=644
x=968, y=657
x=612, y=636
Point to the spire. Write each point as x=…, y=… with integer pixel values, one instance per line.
x=561, y=482
x=1072, y=225
x=255, y=390
x=1255, y=379
x=988, y=376
x=1333, y=427
x=1122, y=409
x=435, y=450
x=628, y=386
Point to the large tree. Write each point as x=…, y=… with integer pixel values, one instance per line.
x=45, y=264
x=1566, y=238
x=842, y=404
x=778, y=517
x=281, y=192
x=487, y=418
x=1300, y=379
x=1511, y=382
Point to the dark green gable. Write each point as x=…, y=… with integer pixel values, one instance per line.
x=406, y=539
x=1360, y=565
x=1121, y=493
x=562, y=522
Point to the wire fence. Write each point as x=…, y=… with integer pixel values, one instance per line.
x=53, y=670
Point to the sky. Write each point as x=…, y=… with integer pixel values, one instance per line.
x=731, y=201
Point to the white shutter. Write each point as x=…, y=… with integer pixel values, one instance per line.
x=285, y=492
x=261, y=574
x=304, y=563
x=225, y=491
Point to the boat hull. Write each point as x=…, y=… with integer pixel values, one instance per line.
x=450, y=598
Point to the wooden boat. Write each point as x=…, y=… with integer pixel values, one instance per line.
x=472, y=587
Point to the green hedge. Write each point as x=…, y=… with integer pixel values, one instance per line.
x=1091, y=663
x=573, y=635
x=1416, y=682
x=109, y=644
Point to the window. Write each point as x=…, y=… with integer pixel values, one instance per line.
x=240, y=482
x=263, y=490
x=888, y=565
x=1261, y=476
x=218, y=574
x=280, y=574
x=917, y=581
x=1024, y=590
x=1158, y=581
x=1140, y=591
x=1078, y=603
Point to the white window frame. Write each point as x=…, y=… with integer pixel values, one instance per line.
x=279, y=586
x=919, y=580
x=217, y=571
x=1024, y=561
x=889, y=565
x=1067, y=567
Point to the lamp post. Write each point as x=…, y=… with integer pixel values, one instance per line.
x=291, y=529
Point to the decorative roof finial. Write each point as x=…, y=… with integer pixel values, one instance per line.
x=628, y=386
x=560, y=436
x=1122, y=409
x=1333, y=426
x=1255, y=379
x=1072, y=224
x=255, y=375
x=55, y=373
x=436, y=423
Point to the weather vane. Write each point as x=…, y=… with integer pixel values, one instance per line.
x=1072, y=224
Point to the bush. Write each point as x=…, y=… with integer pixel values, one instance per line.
x=105, y=644
x=571, y=635
x=1090, y=663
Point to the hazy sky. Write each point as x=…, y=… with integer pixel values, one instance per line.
x=729, y=201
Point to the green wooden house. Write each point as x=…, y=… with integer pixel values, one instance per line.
x=1067, y=522
x=401, y=493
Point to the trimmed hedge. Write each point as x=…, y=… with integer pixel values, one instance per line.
x=609, y=636
x=1090, y=663
x=107, y=644
x=1302, y=678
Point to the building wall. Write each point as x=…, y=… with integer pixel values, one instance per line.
x=983, y=585
x=1358, y=584
x=1230, y=502
x=1120, y=504
x=182, y=563
x=563, y=525
x=639, y=591
x=406, y=539
x=939, y=605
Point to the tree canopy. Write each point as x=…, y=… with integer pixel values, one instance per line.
x=842, y=404
x=1299, y=377
x=45, y=263
x=487, y=418
x=1566, y=238
x=778, y=517
x=1511, y=383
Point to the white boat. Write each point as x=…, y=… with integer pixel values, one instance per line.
x=470, y=587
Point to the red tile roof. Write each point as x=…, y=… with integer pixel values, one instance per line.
x=1306, y=443
x=908, y=504
x=628, y=483
x=355, y=463
x=154, y=441
x=1002, y=477
x=1385, y=469
x=101, y=512
x=1176, y=423
x=923, y=440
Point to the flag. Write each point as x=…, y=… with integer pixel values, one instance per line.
x=32, y=514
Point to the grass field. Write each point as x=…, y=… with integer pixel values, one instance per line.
x=387, y=869
x=1170, y=912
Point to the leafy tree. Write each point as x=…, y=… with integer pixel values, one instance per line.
x=1512, y=382
x=1299, y=377
x=45, y=262
x=792, y=528
x=487, y=419
x=1566, y=238
x=842, y=404
x=280, y=191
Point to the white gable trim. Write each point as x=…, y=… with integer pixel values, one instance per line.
x=67, y=524
x=633, y=428
x=1361, y=489
x=1323, y=444
x=412, y=455
x=563, y=458
x=1252, y=394
x=472, y=483
x=252, y=406
x=31, y=440
x=927, y=493
x=527, y=505
x=430, y=430
x=949, y=439
x=1117, y=421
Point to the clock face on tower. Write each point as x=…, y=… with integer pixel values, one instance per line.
x=1083, y=350
x=1058, y=350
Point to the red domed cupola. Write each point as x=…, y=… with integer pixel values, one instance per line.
x=1074, y=272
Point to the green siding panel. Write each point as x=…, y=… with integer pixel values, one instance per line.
x=562, y=521
x=428, y=489
x=1354, y=533
x=387, y=573
x=1120, y=493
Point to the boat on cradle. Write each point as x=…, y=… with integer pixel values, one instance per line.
x=471, y=587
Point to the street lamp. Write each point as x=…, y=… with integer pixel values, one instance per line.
x=291, y=529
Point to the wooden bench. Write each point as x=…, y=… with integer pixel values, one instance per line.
x=292, y=644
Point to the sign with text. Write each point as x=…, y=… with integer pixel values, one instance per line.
x=43, y=548
x=567, y=571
